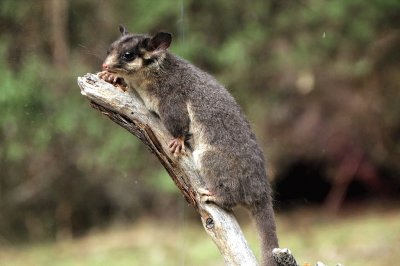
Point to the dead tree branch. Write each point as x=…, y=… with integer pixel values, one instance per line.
x=127, y=110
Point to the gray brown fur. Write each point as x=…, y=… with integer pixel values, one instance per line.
x=193, y=105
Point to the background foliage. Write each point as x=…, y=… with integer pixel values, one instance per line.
x=319, y=81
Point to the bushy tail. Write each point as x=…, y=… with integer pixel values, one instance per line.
x=264, y=217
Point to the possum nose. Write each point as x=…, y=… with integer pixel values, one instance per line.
x=104, y=66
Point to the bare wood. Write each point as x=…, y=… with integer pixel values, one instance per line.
x=127, y=110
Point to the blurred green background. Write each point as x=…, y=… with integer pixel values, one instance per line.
x=319, y=81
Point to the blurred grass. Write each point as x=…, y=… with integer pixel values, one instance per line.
x=366, y=238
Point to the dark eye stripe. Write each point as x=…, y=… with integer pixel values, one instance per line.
x=128, y=56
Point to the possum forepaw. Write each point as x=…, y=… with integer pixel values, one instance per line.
x=113, y=78
x=177, y=146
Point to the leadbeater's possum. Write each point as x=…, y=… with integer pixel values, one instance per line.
x=203, y=119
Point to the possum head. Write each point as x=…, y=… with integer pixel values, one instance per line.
x=135, y=52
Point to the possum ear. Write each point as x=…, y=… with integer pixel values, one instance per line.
x=123, y=30
x=160, y=41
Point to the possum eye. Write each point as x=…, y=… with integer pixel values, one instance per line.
x=128, y=56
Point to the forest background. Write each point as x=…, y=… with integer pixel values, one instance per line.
x=319, y=81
